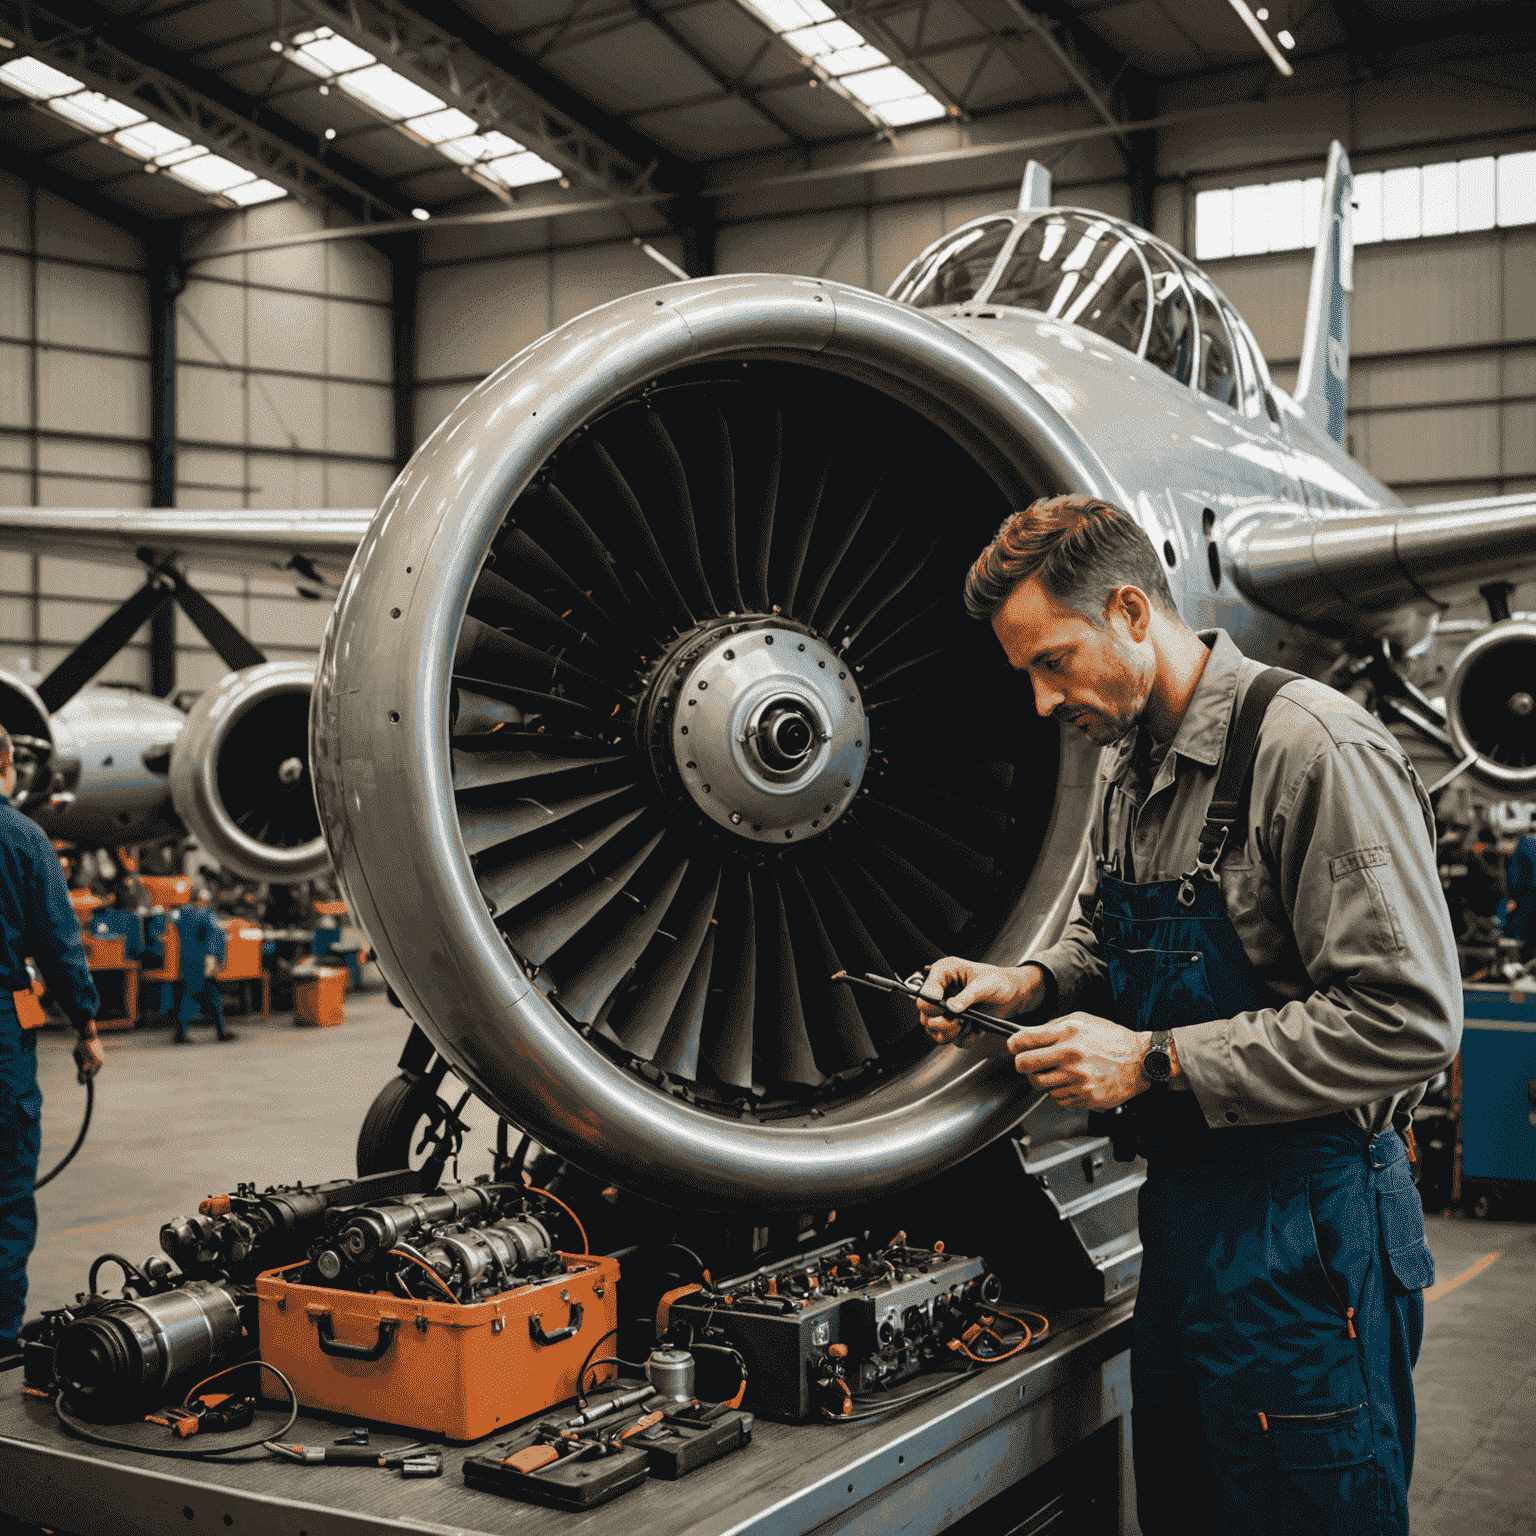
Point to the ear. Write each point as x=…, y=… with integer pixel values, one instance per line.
x=1133, y=608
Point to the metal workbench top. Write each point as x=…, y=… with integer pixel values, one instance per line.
x=938, y=1459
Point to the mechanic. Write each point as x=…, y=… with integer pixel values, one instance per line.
x=37, y=923
x=204, y=952
x=1258, y=984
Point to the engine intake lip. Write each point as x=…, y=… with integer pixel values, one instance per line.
x=381, y=744
x=1488, y=703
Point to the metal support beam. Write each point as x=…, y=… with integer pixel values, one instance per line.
x=699, y=227
x=1141, y=161
x=403, y=269
x=187, y=100
x=167, y=277
x=1042, y=27
x=436, y=54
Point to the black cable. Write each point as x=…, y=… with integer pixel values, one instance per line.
x=612, y=1333
x=86, y=1433
x=85, y=1125
x=684, y=1248
x=131, y=1271
x=606, y=1360
x=904, y=1401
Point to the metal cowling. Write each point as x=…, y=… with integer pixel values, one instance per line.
x=731, y=488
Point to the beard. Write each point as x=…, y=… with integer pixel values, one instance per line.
x=1126, y=699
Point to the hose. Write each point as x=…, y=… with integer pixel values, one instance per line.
x=85, y=1125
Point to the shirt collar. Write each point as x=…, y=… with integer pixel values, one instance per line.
x=1202, y=733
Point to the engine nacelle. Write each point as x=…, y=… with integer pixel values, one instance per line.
x=1490, y=704
x=240, y=774
x=650, y=702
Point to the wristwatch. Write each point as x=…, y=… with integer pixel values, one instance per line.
x=1157, y=1064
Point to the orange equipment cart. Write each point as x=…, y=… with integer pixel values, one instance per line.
x=107, y=958
x=242, y=958
x=321, y=998
x=461, y=1371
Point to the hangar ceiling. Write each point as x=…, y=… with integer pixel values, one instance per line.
x=383, y=110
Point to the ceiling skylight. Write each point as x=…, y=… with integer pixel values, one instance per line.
x=493, y=159
x=126, y=128
x=837, y=52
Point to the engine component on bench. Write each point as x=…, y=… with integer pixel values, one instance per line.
x=475, y=1240
x=815, y=1329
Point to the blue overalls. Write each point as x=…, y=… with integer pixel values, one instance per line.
x=195, y=994
x=1279, y=1313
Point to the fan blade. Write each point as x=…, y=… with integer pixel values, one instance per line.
x=478, y=770
x=539, y=935
x=516, y=607
x=687, y=524
x=929, y=905
x=477, y=714
x=480, y=647
x=583, y=994
x=647, y=1022
x=729, y=1051
x=871, y=685
x=807, y=527
x=781, y=1042
x=509, y=885
x=888, y=1014
x=490, y=826
x=532, y=704
x=766, y=507
x=518, y=553
x=660, y=570
x=923, y=617
x=887, y=923
x=678, y=1052
x=602, y=561
x=839, y=1035
x=952, y=862
x=728, y=508
x=972, y=824
x=889, y=592
x=829, y=570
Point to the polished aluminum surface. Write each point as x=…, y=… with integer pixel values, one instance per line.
x=379, y=741
x=1503, y=651
x=195, y=765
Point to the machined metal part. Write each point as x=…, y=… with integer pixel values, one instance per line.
x=493, y=1256
x=1489, y=705
x=138, y=1346
x=232, y=780
x=671, y=1374
x=368, y=1232
x=381, y=749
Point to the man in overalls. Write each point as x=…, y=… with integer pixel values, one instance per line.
x=36, y=923
x=1259, y=982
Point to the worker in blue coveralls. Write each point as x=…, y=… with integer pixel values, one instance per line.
x=204, y=946
x=1259, y=981
x=36, y=923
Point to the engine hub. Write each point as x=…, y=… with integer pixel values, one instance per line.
x=761, y=724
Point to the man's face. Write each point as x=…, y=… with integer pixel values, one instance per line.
x=1097, y=677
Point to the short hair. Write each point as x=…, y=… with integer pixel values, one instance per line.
x=1081, y=547
x=5, y=749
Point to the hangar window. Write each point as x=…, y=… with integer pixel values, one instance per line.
x=1080, y=269
x=956, y=270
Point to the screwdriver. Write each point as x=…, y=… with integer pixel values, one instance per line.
x=987, y=1022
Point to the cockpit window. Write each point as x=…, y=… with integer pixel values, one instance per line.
x=1171, y=340
x=1217, y=368
x=956, y=270
x=1074, y=267
x=1247, y=371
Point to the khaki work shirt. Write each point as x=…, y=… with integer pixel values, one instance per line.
x=1334, y=892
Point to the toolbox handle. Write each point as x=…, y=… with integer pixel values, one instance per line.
x=331, y=1345
x=571, y=1329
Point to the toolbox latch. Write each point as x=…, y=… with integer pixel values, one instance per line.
x=536, y=1327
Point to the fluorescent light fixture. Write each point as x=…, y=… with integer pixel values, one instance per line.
x=838, y=53
x=127, y=129
x=1265, y=41
x=494, y=159
x=420, y=213
x=1284, y=38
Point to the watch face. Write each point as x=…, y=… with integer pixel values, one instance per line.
x=1156, y=1065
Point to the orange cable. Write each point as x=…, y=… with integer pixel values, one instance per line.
x=586, y=1247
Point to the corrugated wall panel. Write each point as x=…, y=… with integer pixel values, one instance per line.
x=471, y=319
x=90, y=307
x=92, y=395
x=15, y=296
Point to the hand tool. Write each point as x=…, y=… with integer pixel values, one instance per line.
x=987, y=1022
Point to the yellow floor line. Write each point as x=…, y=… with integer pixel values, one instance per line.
x=1435, y=1292
x=102, y=1226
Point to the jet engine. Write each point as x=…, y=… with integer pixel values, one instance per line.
x=650, y=703
x=239, y=774
x=1490, y=704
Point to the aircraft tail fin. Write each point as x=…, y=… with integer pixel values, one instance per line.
x=1322, y=380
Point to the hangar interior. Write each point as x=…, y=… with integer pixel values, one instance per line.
x=251, y=258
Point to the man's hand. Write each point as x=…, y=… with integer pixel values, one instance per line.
x=998, y=989
x=1083, y=1061
x=88, y=1057
x=210, y=964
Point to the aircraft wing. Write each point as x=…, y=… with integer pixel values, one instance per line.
x=310, y=547
x=1322, y=568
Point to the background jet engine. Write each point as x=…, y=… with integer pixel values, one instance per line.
x=1490, y=704
x=239, y=774
x=650, y=702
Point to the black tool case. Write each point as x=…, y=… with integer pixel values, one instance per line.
x=573, y=1482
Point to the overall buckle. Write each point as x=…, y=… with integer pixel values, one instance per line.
x=1205, y=868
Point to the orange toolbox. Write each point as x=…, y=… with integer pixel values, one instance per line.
x=321, y=999
x=458, y=1370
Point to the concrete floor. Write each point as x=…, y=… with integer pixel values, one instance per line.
x=280, y=1104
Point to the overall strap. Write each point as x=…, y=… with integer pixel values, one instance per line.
x=1231, y=793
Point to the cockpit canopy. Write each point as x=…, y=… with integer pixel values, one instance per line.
x=1107, y=276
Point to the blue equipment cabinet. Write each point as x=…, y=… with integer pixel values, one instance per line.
x=1498, y=1084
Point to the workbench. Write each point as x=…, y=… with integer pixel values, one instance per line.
x=1057, y=1415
